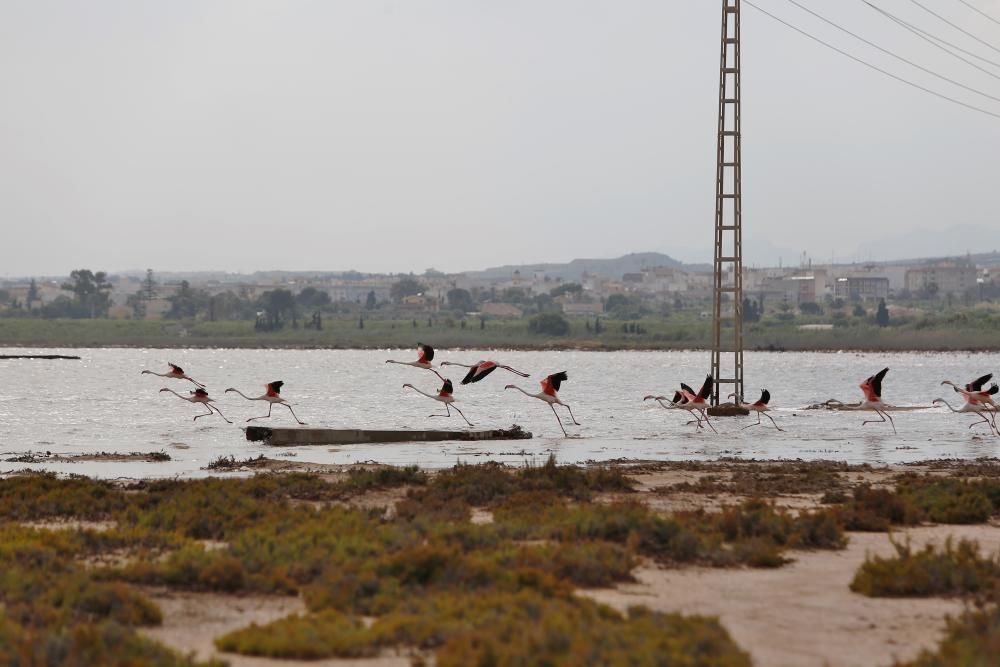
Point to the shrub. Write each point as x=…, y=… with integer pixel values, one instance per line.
x=875, y=510
x=931, y=571
x=948, y=500
x=549, y=324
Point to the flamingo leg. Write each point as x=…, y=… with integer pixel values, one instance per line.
x=436, y=373
x=559, y=420
x=196, y=383
x=772, y=421
x=220, y=413
x=204, y=414
x=269, y=406
x=463, y=416
x=570, y=413
x=982, y=419
x=447, y=412
x=293, y=414
x=883, y=415
x=704, y=416
x=749, y=425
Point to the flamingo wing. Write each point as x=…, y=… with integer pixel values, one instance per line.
x=200, y=393
x=426, y=353
x=556, y=379
x=174, y=368
x=978, y=383
x=274, y=388
x=678, y=397
x=873, y=385
x=446, y=389
x=765, y=397
x=478, y=372
x=706, y=387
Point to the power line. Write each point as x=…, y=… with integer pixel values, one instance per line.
x=894, y=55
x=978, y=11
x=914, y=28
x=956, y=27
x=920, y=33
x=874, y=67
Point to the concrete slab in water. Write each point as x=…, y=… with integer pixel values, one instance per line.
x=330, y=436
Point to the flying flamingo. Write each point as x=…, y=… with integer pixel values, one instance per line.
x=175, y=372
x=424, y=361
x=199, y=395
x=974, y=392
x=973, y=408
x=699, y=402
x=272, y=396
x=550, y=385
x=444, y=396
x=975, y=395
x=678, y=402
x=872, y=387
x=759, y=406
x=481, y=369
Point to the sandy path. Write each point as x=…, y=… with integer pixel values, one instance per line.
x=804, y=614
x=191, y=621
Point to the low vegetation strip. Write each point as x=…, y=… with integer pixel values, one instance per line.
x=434, y=581
x=976, y=331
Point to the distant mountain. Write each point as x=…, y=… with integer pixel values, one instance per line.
x=571, y=271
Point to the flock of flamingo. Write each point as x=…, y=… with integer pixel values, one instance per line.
x=978, y=399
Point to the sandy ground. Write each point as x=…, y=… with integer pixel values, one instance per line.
x=191, y=621
x=804, y=614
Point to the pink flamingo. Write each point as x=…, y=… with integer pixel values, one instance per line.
x=759, y=406
x=272, y=395
x=176, y=373
x=481, y=369
x=199, y=395
x=423, y=361
x=445, y=396
x=872, y=388
x=973, y=408
x=678, y=402
x=549, y=394
x=699, y=401
x=977, y=399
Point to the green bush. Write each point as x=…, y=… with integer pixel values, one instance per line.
x=953, y=570
x=549, y=324
x=948, y=500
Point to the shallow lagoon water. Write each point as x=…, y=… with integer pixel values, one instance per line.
x=102, y=404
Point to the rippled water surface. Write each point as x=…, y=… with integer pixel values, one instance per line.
x=102, y=403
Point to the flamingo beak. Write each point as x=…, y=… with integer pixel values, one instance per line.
x=510, y=386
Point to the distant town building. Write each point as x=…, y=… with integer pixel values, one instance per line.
x=863, y=289
x=950, y=278
x=501, y=310
x=583, y=308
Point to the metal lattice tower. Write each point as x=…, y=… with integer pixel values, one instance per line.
x=727, y=316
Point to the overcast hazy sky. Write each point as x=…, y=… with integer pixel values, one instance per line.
x=396, y=136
